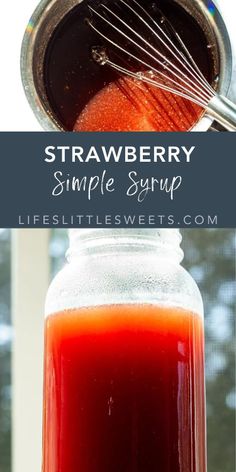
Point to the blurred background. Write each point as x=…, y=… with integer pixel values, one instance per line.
x=210, y=258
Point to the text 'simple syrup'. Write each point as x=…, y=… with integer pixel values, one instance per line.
x=124, y=390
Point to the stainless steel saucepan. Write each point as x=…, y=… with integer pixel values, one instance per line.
x=50, y=13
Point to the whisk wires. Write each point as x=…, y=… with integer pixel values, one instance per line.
x=159, y=51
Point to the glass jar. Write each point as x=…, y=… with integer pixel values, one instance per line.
x=124, y=357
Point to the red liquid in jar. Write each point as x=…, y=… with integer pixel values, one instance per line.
x=124, y=390
x=129, y=105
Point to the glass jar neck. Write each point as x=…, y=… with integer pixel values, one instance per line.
x=165, y=242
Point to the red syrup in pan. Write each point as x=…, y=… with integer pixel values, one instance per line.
x=125, y=105
x=86, y=96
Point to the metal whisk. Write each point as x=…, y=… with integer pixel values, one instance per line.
x=151, y=51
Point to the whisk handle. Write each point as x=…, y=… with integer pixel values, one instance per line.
x=223, y=111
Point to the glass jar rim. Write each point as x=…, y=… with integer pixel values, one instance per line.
x=94, y=240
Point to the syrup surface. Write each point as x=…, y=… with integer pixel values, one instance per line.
x=128, y=105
